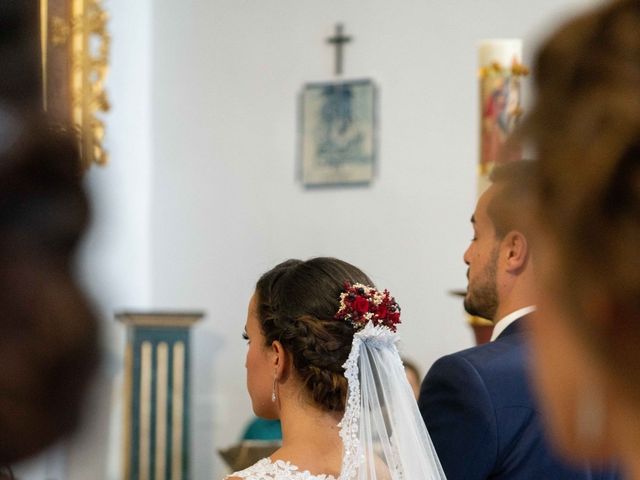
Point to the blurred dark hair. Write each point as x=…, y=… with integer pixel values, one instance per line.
x=513, y=198
x=48, y=333
x=297, y=302
x=20, y=56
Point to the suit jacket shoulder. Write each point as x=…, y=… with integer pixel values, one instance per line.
x=502, y=367
x=459, y=415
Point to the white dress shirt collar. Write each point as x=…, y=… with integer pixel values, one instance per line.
x=502, y=324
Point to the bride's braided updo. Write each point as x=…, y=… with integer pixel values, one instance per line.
x=297, y=303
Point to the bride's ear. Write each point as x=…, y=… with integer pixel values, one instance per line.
x=280, y=359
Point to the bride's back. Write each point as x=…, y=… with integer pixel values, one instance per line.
x=294, y=364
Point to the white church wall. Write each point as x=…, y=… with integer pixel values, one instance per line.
x=227, y=204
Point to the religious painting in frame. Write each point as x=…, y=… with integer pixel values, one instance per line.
x=338, y=130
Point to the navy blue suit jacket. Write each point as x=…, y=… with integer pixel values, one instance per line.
x=482, y=418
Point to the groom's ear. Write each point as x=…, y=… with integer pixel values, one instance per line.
x=280, y=359
x=516, y=251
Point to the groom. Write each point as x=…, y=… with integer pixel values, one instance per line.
x=477, y=403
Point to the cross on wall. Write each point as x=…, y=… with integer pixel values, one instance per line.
x=338, y=41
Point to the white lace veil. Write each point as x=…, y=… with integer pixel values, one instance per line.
x=382, y=430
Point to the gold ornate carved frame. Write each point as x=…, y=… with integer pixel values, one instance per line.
x=75, y=55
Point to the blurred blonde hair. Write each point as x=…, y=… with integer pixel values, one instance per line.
x=585, y=129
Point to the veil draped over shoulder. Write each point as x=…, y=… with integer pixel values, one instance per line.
x=382, y=430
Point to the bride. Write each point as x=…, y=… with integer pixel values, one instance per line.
x=322, y=358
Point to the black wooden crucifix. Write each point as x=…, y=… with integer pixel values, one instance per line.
x=338, y=41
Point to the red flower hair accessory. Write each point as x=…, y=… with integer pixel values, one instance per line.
x=360, y=304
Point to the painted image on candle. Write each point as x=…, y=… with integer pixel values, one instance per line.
x=500, y=111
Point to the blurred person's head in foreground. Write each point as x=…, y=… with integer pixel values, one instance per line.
x=48, y=334
x=585, y=128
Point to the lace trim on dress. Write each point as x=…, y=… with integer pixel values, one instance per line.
x=265, y=469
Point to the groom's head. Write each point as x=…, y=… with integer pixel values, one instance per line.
x=498, y=257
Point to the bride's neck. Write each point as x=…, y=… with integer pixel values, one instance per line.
x=304, y=423
x=309, y=434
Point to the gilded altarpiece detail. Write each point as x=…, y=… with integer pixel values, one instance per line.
x=75, y=47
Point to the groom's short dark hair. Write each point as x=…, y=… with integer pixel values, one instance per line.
x=511, y=207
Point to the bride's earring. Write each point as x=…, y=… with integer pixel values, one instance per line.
x=273, y=390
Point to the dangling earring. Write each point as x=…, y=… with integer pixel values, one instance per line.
x=273, y=390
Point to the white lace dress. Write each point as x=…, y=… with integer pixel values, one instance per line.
x=265, y=469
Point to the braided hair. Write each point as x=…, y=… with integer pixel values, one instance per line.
x=297, y=303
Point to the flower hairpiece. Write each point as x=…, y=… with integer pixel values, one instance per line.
x=360, y=304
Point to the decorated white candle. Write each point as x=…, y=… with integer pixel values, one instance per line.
x=500, y=69
x=501, y=51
